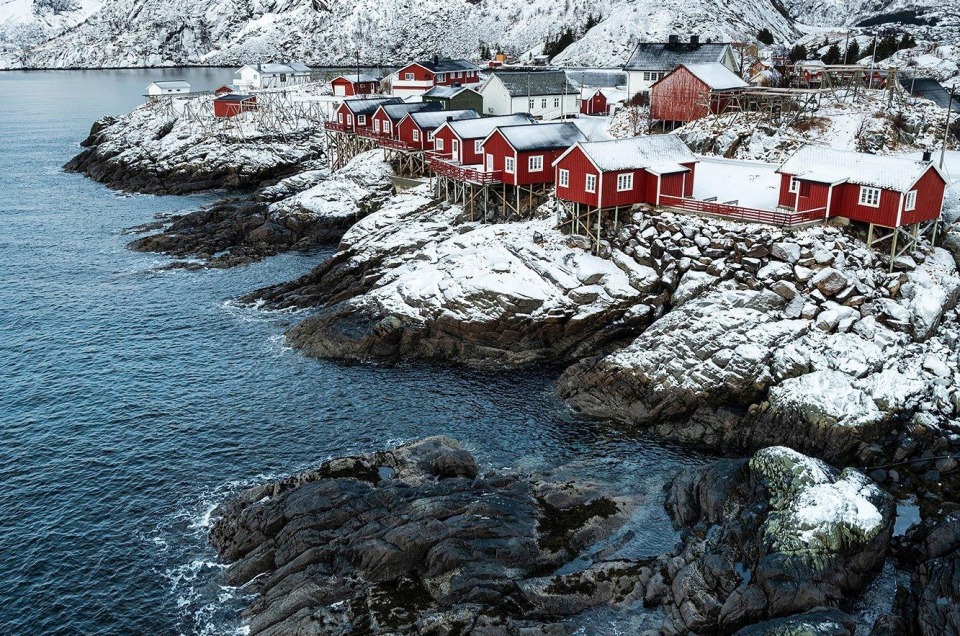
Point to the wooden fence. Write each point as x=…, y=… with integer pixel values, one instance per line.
x=458, y=172
x=742, y=213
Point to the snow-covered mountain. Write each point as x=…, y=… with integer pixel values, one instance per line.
x=86, y=33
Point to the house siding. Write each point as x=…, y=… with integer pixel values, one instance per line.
x=680, y=96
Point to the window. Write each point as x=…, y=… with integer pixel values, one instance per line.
x=429, y=135
x=340, y=118
x=564, y=178
x=349, y=119
x=910, y=203
x=543, y=103
x=535, y=163
x=440, y=77
x=591, y=183
x=624, y=182
x=509, y=165
x=556, y=102
x=439, y=143
x=870, y=196
x=416, y=135
x=478, y=146
x=408, y=77
x=386, y=127
x=647, y=76
x=531, y=104
x=361, y=120
x=376, y=125
x=794, y=184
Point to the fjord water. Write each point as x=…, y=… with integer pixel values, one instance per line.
x=134, y=398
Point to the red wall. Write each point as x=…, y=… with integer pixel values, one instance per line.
x=347, y=86
x=341, y=116
x=679, y=96
x=231, y=109
x=644, y=184
x=466, y=77
x=405, y=133
x=596, y=104
x=930, y=189
x=497, y=146
x=579, y=166
x=447, y=135
x=500, y=149
x=420, y=74
x=355, y=88
x=381, y=116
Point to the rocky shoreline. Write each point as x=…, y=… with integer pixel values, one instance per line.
x=751, y=341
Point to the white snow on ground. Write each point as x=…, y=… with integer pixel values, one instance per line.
x=751, y=183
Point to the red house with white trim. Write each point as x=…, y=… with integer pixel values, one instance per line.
x=356, y=115
x=625, y=172
x=597, y=101
x=232, y=104
x=417, y=78
x=881, y=190
x=525, y=154
x=693, y=91
x=462, y=141
x=388, y=116
x=417, y=129
x=355, y=84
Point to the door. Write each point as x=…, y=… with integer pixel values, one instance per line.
x=455, y=149
x=489, y=163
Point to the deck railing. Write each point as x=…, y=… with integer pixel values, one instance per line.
x=332, y=125
x=442, y=166
x=742, y=213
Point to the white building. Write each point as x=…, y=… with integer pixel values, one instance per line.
x=543, y=94
x=651, y=61
x=168, y=87
x=273, y=75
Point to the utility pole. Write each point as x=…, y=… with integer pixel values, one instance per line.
x=946, y=128
x=873, y=60
x=358, y=73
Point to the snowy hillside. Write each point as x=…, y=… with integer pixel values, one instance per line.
x=24, y=22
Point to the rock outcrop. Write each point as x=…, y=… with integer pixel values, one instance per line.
x=415, y=540
x=778, y=536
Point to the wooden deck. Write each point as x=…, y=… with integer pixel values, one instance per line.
x=779, y=218
x=458, y=172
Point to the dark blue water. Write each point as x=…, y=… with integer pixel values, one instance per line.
x=132, y=400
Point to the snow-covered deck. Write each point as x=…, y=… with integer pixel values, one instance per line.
x=753, y=184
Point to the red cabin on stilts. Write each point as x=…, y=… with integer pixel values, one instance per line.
x=232, y=104
x=525, y=154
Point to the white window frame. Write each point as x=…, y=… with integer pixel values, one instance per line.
x=478, y=146
x=869, y=197
x=361, y=120
x=339, y=118
x=535, y=163
x=416, y=135
x=376, y=125
x=509, y=165
x=590, y=183
x=794, y=185
x=543, y=103
x=439, y=143
x=910, y=201
x=531, y=104
x=408, y=77
x=349, y=119
x=454, y=147
x=563, y=178
x=625, y=182
x=429, y=135
x=386, y=127
x=556, y=102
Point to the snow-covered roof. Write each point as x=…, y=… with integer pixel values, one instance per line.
x=715, y=75
x=369, y=106
x=650, y=56
x=536, y=83
x=277, y=68
x=446, y=65
x=829, y=165
x=480, y=128
x=172, y=84
x=542, y=136
x=928, y=88
x=446, y=92
x=432, y=119
x=613, y=95
x=660, y=153
x=234, y=97
x=596, y=77
x=396, y=112
x=355, y=78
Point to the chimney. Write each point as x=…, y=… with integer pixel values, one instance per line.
x=927, y=156
x=674, y=40
x=449, y=117
x=694, y=40
x=436, y=58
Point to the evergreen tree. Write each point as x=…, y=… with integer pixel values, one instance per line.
x=798, y=53
x=765, y=36
x=832, y=56
x=853, y=53
x=907, y=42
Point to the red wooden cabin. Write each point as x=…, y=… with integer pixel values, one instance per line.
x=624, y=172
x=881, y=190
x=355, y=84
x=693, y=91
x=416, y=130
x=525, y=154
x=356, y=115
x=593, y=103
x=388, y=116
x=224, y=89
x=232, y=104
x=417, y=78
x=461, y=141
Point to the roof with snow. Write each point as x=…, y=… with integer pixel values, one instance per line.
x=354, y=78
x=612, y=94
x=446, y=65
x=928, y=88
x=172, y=84
x=649, y=56
x=433, y=119
x=480, y=128
x=542, y=136
x=523, y=83
x=596, y=77
x=369, y=106
x=234, y=97
x=276, y=68
x=446, y=92
x=829, y=165
x=396, y=112
x=716, y=76
x=661, y=153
